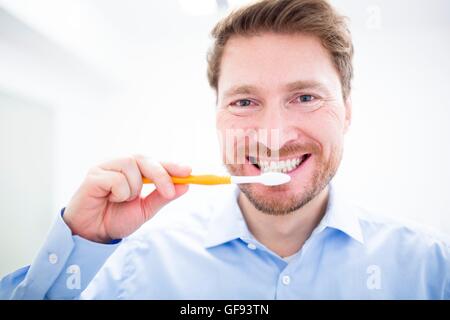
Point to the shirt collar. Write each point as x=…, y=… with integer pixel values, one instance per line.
x=340, y=215
x=227, y=223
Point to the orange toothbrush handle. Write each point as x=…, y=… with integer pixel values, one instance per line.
x=207, y=179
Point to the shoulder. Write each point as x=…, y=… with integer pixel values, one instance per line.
x=407, y=231
x=409, y=250
x=405, y=241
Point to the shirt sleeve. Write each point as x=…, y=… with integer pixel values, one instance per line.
x=62, y=269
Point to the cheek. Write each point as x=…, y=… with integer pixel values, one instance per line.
x=225, y=120
x=325, y=126
x=332, y=128
x=234, y=133
x=334, y=121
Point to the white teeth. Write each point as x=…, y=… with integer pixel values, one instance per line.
x=280, y=166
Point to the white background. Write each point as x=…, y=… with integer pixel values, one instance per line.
x=84, y=81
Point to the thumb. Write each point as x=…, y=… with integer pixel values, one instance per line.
x=152, y=203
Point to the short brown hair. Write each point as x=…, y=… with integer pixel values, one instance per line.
x=314, y=17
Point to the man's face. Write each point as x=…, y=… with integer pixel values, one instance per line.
x=285, y=86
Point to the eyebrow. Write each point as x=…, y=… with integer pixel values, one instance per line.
x=241, y=89
x=306, y=84
x=296, y=85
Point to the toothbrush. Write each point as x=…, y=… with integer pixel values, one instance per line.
x=267, y=179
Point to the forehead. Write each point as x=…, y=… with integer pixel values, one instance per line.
x=271, y=60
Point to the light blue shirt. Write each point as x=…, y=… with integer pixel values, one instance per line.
x=205, y=251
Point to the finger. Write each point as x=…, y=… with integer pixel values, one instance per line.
x=112, y=184
x=127, y=166
x=152, y=203
x=177, y=170
x=155, y=171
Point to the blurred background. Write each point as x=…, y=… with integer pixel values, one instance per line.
x=83, y=81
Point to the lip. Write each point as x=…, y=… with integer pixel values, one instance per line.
x=281, y=158
x=302, y=166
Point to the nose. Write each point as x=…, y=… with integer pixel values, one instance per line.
x=274, y=121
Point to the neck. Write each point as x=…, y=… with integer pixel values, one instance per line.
x=284, y=234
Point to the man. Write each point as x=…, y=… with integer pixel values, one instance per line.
x=276, y=65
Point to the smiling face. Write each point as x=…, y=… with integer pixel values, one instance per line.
x=288, y=87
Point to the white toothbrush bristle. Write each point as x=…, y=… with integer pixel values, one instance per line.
x=274, y=178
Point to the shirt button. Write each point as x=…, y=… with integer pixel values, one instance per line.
x=52, y=258
x=286, y=280
x=251, y=246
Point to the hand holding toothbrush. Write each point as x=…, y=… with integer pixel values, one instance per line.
x=108, y=204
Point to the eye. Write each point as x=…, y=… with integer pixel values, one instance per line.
x=306, y=102
x=305, y=98
x=242, y=103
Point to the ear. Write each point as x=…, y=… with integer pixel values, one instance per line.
x=348, y=113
